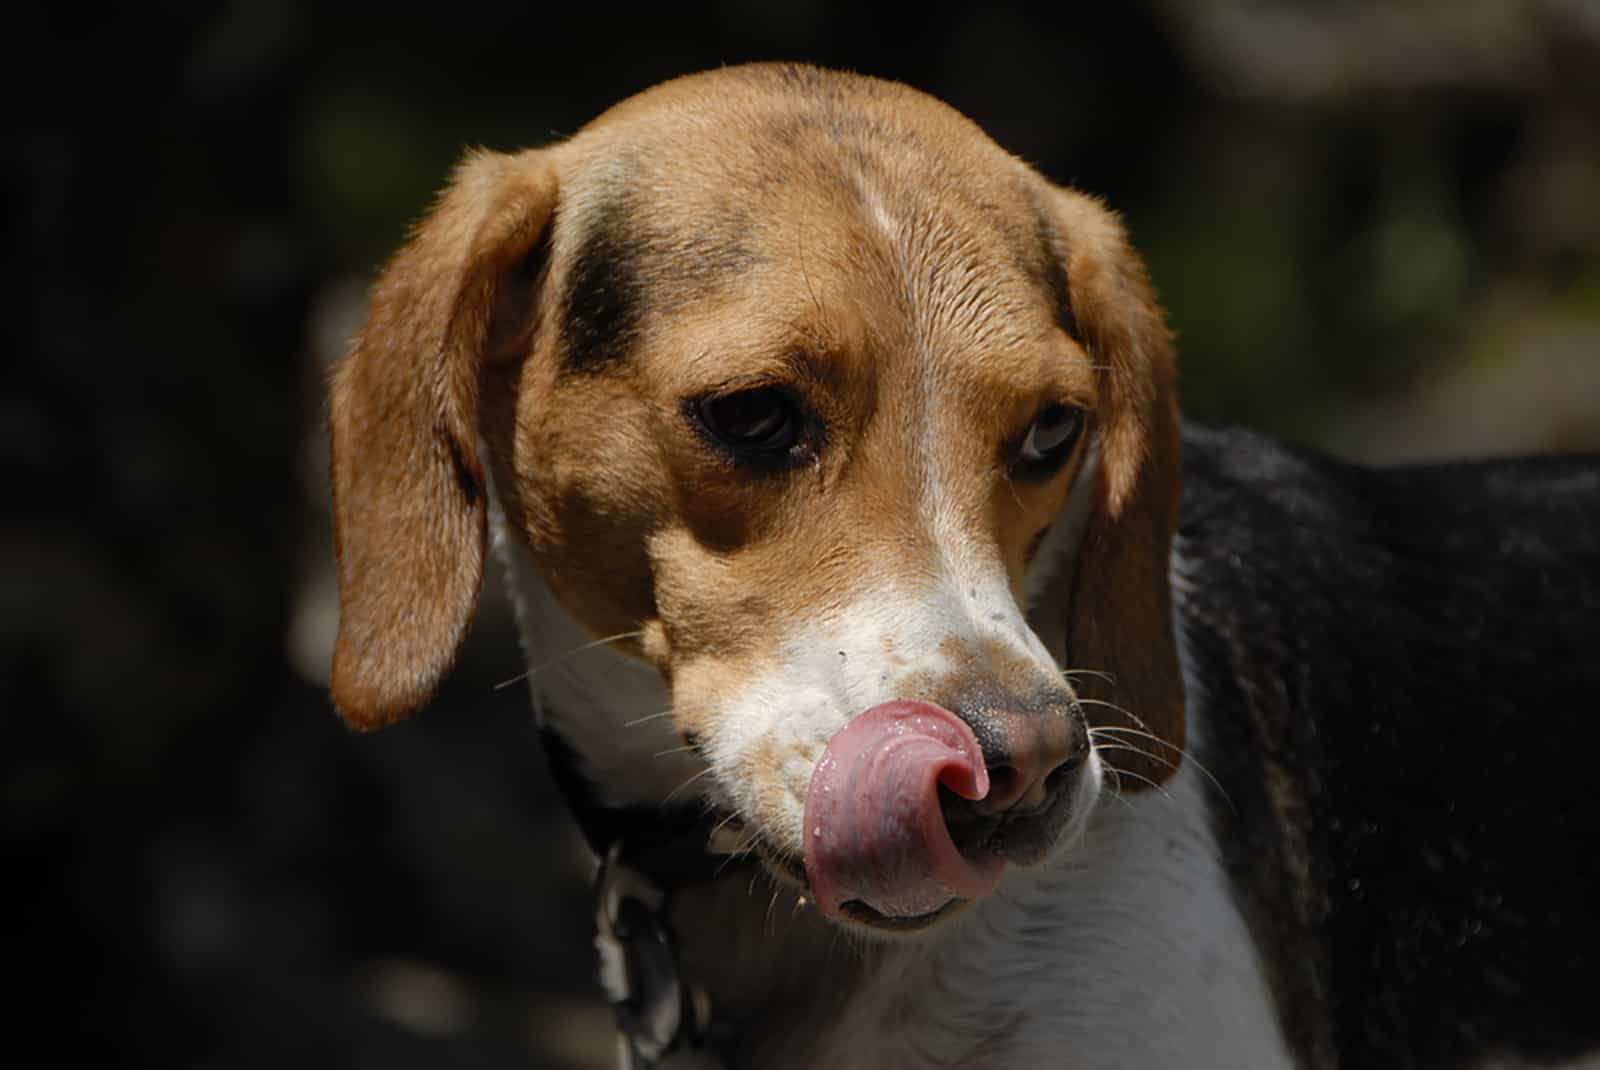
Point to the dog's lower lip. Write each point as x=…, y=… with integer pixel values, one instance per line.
x=854, y=909
x=858, y=911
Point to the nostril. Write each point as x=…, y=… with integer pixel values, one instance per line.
x=971, y=824
x=1030, y=751
x=1004, y=785
x=1058, y=776
x=1014, y=788
x=1036, y=759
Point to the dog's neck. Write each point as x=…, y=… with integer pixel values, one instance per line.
x=750, y=943
x=612, y=710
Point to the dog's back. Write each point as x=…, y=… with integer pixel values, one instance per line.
x=1400, y=677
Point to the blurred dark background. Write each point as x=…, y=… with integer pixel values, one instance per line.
x=1376, y=227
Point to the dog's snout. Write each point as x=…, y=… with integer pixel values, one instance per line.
x=1026, y=752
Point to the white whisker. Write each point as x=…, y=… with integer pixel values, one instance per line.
x=1184, y=752
x=637, y=721
x=671, y=794
x=1112, y=706
x=1135, y=750
x=1139, y=776
x=568, y=654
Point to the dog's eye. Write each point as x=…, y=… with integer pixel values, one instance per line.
x=763, y=422
x=1050, y=439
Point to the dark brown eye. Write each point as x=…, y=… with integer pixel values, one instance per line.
x=759, y=425
x=1050, y=438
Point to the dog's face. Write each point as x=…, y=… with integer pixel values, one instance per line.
x=804, y=386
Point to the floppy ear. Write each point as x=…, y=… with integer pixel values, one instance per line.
x=408, y=485
x=1120, y=620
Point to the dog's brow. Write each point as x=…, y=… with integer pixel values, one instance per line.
x=623, y=269
x=601, y=300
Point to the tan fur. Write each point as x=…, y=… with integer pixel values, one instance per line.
x=889, y=267
x=409, y=496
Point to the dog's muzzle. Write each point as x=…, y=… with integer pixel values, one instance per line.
x=906, y=808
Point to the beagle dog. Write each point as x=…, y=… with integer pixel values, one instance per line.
x=935, y=697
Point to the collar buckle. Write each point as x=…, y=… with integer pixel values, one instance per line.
x=658, y=1012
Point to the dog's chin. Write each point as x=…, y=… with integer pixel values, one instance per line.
x=1024, y=843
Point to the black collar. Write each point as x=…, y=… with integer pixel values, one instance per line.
x=665, y=843
x=646, y=854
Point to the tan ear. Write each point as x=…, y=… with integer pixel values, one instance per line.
x=1121, y=607
x=408, y=485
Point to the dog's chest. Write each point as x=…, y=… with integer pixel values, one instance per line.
x=1128, y=953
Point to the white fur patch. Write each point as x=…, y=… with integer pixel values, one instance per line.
x=612, y=709
x=830, y=669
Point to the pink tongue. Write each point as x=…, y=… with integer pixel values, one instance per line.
x=874, y=831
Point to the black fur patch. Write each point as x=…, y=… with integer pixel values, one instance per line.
x=1402, y=699
x=624, y=270
x=602, y=302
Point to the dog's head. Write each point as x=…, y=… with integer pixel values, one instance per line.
x=861, y=432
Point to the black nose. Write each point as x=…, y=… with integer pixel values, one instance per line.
x=1029, y=749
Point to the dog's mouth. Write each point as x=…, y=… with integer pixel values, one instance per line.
x=875, y=828
x=891, y=840
x=792, y=871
